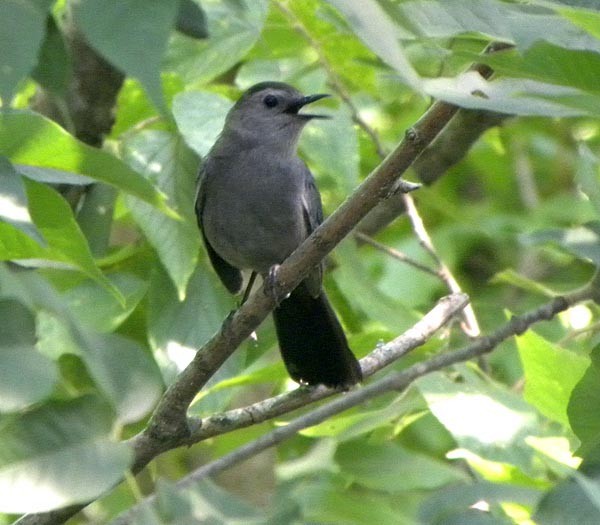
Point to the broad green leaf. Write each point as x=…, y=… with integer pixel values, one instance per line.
x=233, y=27
x=54, y=219
x=482, y=417
x=551, y=374
x=30, y=139
x=513, y=96
x=97, y=309
x=13, y=202
x=379, y=32
x=586, y=393
x=177, y=329
x=22, y=26
x=202, y=502
x=194, y=107
x=130, y=34
x=377, y=467
x=455, y=505
x=497, y=20
x=26, y=376
x=331, y=147
x=165, y=160
x=581, y=241
x=125, y=372
x=323, y=502
x=53, y=69
x=549, y=63
x=191, y=20
x=566, y=504
x=57, y=455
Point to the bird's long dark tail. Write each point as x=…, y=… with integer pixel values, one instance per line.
x=312, y=341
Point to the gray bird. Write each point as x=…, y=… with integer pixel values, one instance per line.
x=256, y=203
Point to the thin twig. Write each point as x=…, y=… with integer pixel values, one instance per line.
x=470, y=324
x=396, y=254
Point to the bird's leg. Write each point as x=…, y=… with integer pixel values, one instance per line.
x=272, y=286
x=248, y=288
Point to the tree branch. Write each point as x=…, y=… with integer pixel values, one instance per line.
x=397, y=381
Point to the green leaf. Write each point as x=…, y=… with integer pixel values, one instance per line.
x=566, y=504
x=54, y=218
x=53, y=69
x=22, y=25
x=581, y=241
x=131, y=34
x=234, y=27
x=57, y=455
x=513, y=96
x=176, y=329
x=551, y=374
x=30, y=139
x=331, y=147
x=379, y=32
x=97, y=309
x=26, y=376
x=482, y=417
x=377, y=466
x=549, y=63
x=191, y=20
x=192, y=107
x=323, y=502
x=164, y=159
x=125, y=372
x=585, y=422
x=494, y=19
x=455, y=505
x=13, y=202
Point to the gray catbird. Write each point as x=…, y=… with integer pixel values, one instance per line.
x=256, y=203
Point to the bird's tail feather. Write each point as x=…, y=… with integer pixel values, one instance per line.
x=312, y=341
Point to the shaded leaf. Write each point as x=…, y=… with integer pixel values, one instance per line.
x=191, y=20
x=22, y=25
x=26, y=376
x=164, y=159
x=234, y=27
x=193, y=107
x=30, y=139
x=378, y=466
x=131, y=34
x=586, y=393
x=57, y=455
x=581, y=241
x=373, y=25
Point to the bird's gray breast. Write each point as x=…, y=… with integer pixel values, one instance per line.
x=253, y=208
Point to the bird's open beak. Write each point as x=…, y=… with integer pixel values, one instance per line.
x=303, y=101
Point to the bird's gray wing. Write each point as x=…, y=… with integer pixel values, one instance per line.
x=313, y=216
x=230, y=276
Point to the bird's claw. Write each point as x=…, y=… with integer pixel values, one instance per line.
x=272, y=286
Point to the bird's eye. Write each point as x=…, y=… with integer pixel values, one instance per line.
x=270, y=101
